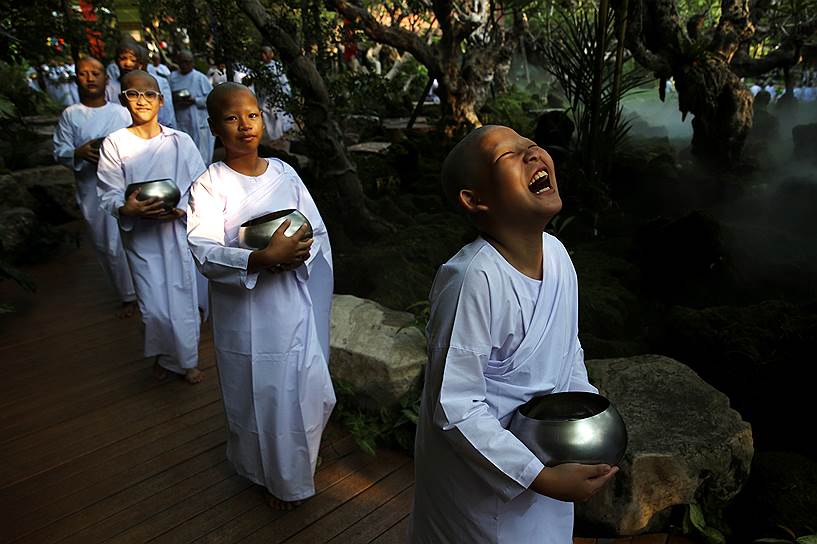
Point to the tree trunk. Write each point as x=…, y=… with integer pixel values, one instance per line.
x=334, y=168
x=722, y=107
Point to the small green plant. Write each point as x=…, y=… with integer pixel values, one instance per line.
x=791, y=537
x=391, y=426
x=695, y=524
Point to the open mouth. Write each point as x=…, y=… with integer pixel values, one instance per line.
x=540, y=182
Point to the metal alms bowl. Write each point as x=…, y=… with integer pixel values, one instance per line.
x=163, y=189
x=256, y=233
x=571, y=427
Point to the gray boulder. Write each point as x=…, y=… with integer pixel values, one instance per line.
x=15, y=194
x=54, y=191
x=685, y=445
x=17, y=227
x=374, y=350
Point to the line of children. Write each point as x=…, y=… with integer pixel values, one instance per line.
x=76, y=146
x=503, y=324
x=155, y=240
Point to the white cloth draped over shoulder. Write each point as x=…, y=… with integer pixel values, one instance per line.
x=496, y=338
x=270, y=330
x=77, y=126
x=163, y=271
x=193, y=119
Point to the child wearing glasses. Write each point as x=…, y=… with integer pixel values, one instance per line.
x=76, y=145
x=154, y=238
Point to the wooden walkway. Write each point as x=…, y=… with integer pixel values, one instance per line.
x=92, y=449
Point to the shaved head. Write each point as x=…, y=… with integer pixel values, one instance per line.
x=185, y=55
x=91, y=62
x=139, y=79
x=462, y=168
x=219, y=95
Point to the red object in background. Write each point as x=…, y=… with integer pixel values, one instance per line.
x=349, y=43
x=95, y=43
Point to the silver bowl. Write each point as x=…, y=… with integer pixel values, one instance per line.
x=182, y=93
x=256, y=233
x=163, y=189
x=572, y=427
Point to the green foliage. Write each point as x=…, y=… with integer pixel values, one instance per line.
x=26, y=26
x=572, y=59
x=512, y=109
x=17, y=98
x=791, y=538
x=367, y=94
x=695, y=524
x=390, y=426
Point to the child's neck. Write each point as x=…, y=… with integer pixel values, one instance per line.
x=146, y=131
x=93, y=102
x=248, y=164
x=522, y=250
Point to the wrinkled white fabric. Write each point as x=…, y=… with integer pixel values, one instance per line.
x=77, y=126
x=496, y=338
x=270, y=330
x=193, y=119
x=163, y=271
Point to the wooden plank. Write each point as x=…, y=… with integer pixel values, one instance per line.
x=209, y=520
x=379, y=521
x=312, y=510
x=144, y=519
x=21, y=499
x=107, y=503
x=357, y=508
x=171, y=398
x=398, y=534
x=248, y=522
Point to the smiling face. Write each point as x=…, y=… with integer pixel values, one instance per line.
x=91, y=78
x=142, y=110
x=236, y=118
x=127, y=60
x=516, y=181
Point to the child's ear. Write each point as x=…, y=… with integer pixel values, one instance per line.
x=471, y=202
x=212, y=128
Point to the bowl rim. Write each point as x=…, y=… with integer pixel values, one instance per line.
x=525, y=408
x=271, y=216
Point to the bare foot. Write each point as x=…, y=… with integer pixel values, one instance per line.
x=193, y=375
x=159, y=373
x=127, y=310
x=277, y=504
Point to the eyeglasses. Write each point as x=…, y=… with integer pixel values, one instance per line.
x=133, y=95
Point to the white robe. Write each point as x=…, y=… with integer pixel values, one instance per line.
x=277, y=122
x=78, y=125
x=193, y=119
x=271, y=331
x=163, y=271
x=496, y=338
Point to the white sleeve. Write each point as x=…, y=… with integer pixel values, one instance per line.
x=111, y=185
x=461, y=411
x=578, y=373
x=205, y=235
x=306, y=205
x=64, y=144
